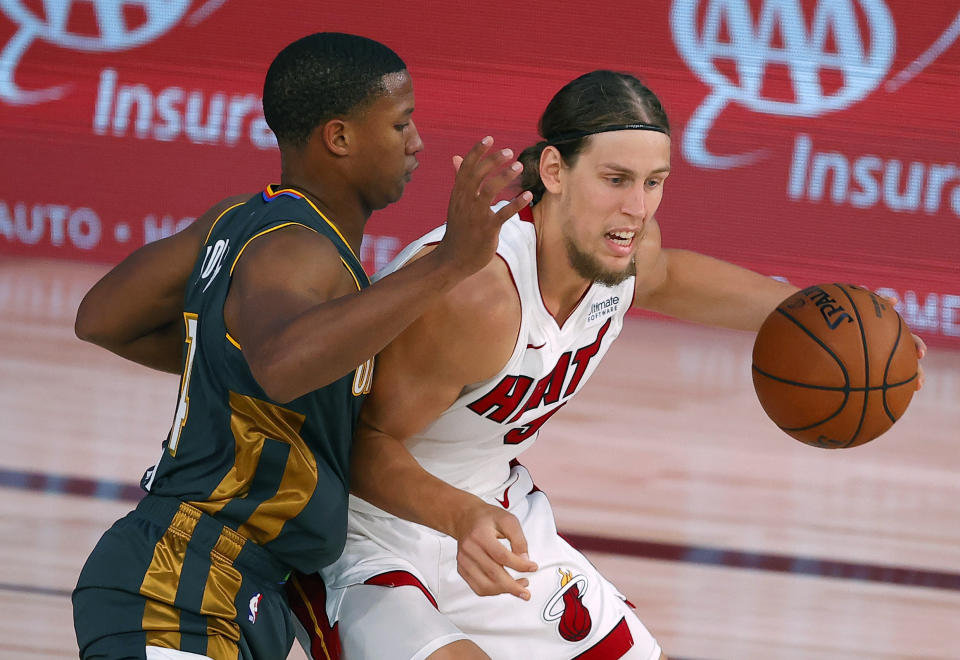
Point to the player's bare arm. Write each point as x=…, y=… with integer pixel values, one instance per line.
x=694, y=287
x=289, y=309
x=464, y=338
x=136, y=309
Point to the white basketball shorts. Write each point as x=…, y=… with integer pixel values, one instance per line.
x=573, y=611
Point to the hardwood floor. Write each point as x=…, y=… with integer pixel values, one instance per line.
x=734, y=541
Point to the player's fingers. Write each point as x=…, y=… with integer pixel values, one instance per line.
x=921, y=346
x=477, y=151
x=473, y=576
x=509, y=528
x=920, y=377
x=502, y=583
x=510, y=209
x=497, y=181
x=489, y=579
x=457, y=162
x=517, y=561
x=482, y=558
x=474, y=170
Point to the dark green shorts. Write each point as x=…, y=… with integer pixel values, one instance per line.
x=168, y=575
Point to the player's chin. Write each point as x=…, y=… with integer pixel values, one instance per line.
x=619, y=263
x=391, y=196
x=614, y=276
x=401, y=186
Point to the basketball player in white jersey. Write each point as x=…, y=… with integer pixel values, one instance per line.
x=466, y=388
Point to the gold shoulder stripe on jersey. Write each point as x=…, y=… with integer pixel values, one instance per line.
x=227, y=210
x=352, y=274
x=320, y=213
x=266, y=231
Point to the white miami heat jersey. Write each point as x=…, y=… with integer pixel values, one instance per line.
x=472, y=443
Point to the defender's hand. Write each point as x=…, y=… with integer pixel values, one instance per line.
x=481, y=557
x=473, y=228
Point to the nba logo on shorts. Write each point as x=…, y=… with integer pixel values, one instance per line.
x=254, y=607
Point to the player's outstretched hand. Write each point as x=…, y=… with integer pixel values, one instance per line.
x=482, y=557
x=921, y=351
x=473, y=228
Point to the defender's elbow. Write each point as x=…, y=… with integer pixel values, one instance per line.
x=283, y=376
x=273, y=377
x=87, y=326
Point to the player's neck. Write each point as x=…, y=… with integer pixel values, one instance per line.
x=333, y=198
x=348, y=216
x=561, y=286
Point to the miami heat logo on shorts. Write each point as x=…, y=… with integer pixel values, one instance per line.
x=566, y=604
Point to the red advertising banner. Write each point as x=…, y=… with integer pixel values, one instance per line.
x=817, y=140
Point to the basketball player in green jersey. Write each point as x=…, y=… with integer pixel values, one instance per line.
x=276, y=317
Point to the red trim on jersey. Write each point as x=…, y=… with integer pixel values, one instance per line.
x=516, y=463
x=401, y=579
x=505, y=502
x=615, y=645
x=513, y=280
x=307, y=596
x=527, y=216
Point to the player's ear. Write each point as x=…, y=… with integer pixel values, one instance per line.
x=334, y=136
x=551, y=162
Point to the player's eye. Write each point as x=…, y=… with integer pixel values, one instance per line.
x=401, y=127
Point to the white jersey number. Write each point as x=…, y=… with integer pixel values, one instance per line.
x=183, y=402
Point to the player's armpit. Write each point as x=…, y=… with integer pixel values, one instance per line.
x=136, y=309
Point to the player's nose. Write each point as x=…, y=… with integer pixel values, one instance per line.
x=414, y=143
x=634, y=202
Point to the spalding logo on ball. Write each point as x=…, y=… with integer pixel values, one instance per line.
x=834, y=365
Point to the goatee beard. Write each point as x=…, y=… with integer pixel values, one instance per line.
x=589, y=268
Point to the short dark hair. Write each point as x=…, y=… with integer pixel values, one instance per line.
x=322, y=76
x=592, y=101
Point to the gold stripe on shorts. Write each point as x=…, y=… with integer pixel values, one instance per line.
x=219, y=596
x=161, y=620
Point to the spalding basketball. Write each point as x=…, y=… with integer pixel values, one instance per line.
x=834, y=365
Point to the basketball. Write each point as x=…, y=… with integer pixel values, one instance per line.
x=834, y=365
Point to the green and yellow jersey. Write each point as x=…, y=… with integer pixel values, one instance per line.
x=278, y=474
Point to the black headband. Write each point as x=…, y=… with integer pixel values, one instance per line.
x=576, y=135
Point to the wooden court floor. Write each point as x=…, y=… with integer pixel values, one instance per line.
x=733, y=540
